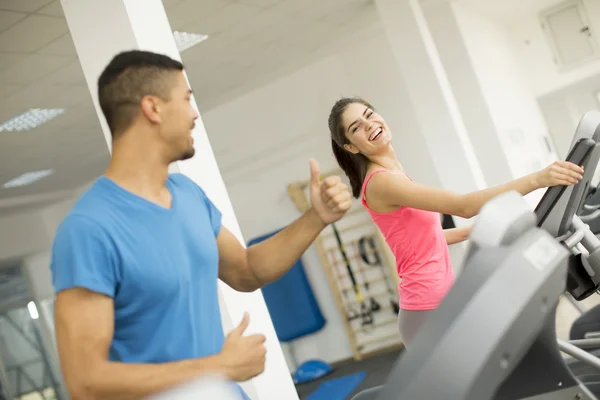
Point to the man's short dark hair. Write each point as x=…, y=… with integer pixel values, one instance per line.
x=129, y=77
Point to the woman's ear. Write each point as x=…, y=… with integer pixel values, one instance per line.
x=351, y=148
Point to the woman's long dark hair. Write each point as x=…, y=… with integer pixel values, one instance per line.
x=354, y=165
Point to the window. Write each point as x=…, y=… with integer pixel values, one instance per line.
x=569, y=34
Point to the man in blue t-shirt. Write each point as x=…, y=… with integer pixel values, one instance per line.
x=135, y=263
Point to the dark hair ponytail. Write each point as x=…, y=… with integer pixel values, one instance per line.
x=354, y=165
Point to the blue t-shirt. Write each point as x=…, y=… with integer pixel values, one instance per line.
x=159, y=265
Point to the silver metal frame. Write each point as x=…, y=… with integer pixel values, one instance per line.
x=574, y=302
x=4, y=382
x=37, y=343
x=577, y=352
x=592, y=343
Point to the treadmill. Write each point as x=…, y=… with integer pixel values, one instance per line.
x=493, y=336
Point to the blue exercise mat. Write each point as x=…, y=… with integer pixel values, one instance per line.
x=291, y=302
x=337, y=389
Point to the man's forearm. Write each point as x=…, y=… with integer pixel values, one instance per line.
x=124, y=381
x=272, y=258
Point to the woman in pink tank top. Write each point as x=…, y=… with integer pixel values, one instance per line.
x=408, y=213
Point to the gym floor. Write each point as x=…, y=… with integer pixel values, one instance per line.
x=377, y=369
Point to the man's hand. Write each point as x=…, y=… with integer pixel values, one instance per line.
x=248, y=269
x=330, y=198
x=243, y=356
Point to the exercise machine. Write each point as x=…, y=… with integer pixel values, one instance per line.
x=205, y=387
x=493, y=336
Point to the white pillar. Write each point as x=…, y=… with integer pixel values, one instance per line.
x=100, y=30
x=467, y=90
x=434, y=104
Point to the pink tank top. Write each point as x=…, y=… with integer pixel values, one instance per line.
x=416, y=238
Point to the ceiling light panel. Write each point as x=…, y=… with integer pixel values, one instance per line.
x=27, y=178
x=185, y=40
x=30, y=119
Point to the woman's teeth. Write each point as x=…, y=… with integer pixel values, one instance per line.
x=375, y=134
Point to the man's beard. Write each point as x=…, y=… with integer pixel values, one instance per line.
x=186, y=155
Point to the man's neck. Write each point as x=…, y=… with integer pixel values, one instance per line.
x=139, y=168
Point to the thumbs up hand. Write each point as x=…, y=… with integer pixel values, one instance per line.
x=330, y=197
x=243, y=357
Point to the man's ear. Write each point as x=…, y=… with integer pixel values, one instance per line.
x=150, y=108
x=351, y=148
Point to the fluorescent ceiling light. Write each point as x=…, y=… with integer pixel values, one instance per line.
x=33, y=312
x=185, y=40
x=27, y=178
x=30, y=119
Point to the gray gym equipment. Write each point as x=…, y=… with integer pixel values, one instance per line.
x=564, y=222
x=493, y=336
x=206, y=387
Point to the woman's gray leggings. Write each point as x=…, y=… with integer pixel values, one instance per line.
x=409, y=322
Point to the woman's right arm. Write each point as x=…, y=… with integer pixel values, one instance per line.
x=392, y=190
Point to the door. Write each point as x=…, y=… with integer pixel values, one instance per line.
x=570, y=35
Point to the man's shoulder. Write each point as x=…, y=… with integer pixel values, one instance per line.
x=79, y=225
x=89, y=210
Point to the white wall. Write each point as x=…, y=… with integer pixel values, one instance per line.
x=564, y=95
x=509, y=96
x=564, y=108
x=53, y=215
x=32, y=231
x=561, y=122
x=460, y=72
x=22, y=234
x=536, y=57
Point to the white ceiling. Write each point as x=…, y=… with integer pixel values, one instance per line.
x=251, y=42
